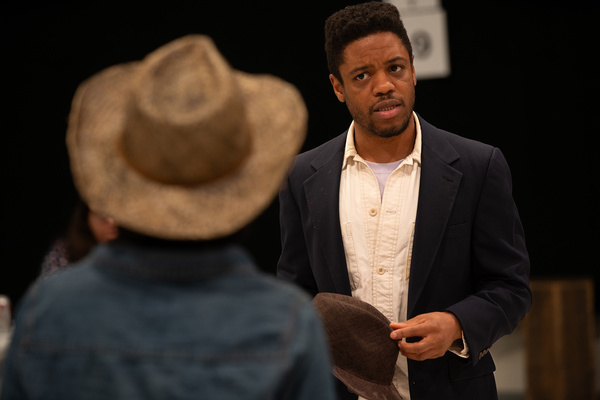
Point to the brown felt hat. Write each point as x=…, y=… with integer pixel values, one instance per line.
x=180, y=145
x=364, y=356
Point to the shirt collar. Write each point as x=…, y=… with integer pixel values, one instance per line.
x=351, y=154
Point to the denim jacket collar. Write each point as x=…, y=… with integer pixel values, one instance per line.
x=169, y=264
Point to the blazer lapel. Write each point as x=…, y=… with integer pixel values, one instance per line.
x=438, y=188
x=323, y=196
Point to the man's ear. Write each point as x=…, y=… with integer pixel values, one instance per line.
x=412, y=65
x=338, y=88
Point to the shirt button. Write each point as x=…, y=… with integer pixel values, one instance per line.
x=373, y=212
x=380, y=270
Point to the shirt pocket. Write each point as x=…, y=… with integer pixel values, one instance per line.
x=351, y=257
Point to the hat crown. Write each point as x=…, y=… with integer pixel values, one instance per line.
x=364, y=347
x=364, y=356
x=185, y=124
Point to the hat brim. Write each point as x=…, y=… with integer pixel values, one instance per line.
x=367, y=389
x=276, y=117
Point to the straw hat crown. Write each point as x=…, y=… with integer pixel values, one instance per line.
x=186, y=119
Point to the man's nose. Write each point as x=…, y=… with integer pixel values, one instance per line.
x=382, y=84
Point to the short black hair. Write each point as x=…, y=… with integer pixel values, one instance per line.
x=356, y=22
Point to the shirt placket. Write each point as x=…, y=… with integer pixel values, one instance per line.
x=387, y=249
x=385, y=229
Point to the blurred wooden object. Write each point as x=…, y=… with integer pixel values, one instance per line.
x=559, y=334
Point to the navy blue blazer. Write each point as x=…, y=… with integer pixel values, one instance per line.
x=469, y=255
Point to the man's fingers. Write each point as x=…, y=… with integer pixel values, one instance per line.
x=407, y=331
x=433, y=333
x=419, y=351
x=398, y=325
x=414, y=351
x=399, y=334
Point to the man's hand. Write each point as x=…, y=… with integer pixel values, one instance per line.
x=437, y=329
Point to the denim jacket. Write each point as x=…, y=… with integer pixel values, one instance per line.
x=137, y=323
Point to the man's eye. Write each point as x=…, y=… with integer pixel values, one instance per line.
x=396, y=68
x=361, y=77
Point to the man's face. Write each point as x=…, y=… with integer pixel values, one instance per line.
x=378, y=84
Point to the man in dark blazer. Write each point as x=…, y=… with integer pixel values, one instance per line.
x=469, y=267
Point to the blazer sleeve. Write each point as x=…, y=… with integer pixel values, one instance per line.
x=500, y=264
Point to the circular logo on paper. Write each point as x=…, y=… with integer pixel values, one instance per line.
x=421, y=44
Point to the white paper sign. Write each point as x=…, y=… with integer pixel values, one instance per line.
x=426, y=28
x=408, y=4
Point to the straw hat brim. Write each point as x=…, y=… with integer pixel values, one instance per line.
x=276, y=117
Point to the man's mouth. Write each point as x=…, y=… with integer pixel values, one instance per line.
x=385, y=107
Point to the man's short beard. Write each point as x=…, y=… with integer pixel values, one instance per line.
x=391, y=131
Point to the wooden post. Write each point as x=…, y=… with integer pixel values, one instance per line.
x=559, y=340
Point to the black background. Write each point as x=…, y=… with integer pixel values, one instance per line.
x=524, y=78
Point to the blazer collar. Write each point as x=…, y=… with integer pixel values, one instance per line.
x=331, y=153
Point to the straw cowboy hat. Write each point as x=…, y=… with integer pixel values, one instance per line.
x=180, y=145
x=364, y=356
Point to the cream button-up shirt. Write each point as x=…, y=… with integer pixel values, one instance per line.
x=377, y=232
x=378, y=226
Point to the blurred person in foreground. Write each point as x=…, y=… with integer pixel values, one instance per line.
x=86, y=229
x=184, y=152
x=416, y=221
